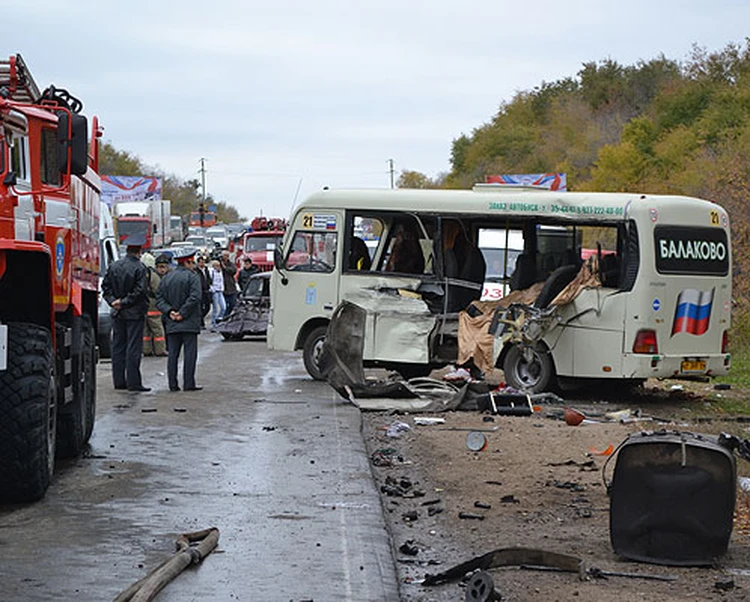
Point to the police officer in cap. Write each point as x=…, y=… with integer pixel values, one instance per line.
x=179, y=299
x=125, y=288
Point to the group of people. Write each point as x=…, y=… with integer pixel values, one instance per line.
x=160, y=311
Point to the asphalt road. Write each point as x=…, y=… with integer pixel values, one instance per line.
x=271, y=458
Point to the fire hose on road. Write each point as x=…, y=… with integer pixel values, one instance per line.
x=192, y=548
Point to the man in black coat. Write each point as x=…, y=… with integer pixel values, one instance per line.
x=125, y=288
x=179, y=298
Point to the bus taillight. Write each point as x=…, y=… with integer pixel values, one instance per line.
x=645, y=342
x=725, y=342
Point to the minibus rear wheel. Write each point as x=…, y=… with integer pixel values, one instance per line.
x=529, y=368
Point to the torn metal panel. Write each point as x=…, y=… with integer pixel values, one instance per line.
x=342, y=367
x=511, y=557
x=398, y=325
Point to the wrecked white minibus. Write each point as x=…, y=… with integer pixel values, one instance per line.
x=608, y=285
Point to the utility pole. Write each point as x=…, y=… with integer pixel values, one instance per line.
x=203, y=178
x=390, y=169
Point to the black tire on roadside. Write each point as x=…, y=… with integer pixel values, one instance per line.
x=534, y=375
x=28, y=414
x=311, y=351
x=76, y=419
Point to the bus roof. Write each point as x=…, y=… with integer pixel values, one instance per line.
x=492, y=200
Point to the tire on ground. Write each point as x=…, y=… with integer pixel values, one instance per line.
x=76, y=419
x=27, y=414
x=312, y=349
x=533, y=375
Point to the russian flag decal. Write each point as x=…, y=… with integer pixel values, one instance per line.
x=693, y=311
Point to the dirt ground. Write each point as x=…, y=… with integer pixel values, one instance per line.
x=539, y=484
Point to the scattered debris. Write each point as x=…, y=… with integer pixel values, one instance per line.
x=425, y=421
x=476, y=441
x=596, y=573
x=148, y=410
x=400, y=488
x=605, y=452
x=722, y=387
x=509, y=557
x=481, y=588
x=180, y=410
x=410, y=516
x=269, y=428
x=397, y=429
x=409, y=548
x=567, y=485
x=482, y=505
x=582, y=465
x=573, y=417
x=386, y=457
x=509, y=499
x=470, y=516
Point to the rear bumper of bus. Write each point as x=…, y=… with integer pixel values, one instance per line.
x=675, y=366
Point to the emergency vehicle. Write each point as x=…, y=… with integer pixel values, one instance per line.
x=49, y=278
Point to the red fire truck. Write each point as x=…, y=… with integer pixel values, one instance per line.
x=259, y=243
x=49, y=266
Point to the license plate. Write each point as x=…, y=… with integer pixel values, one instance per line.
x=693, y=366
x=3, y=347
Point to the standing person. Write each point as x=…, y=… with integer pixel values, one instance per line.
x=229, y=270
x=248, y=269
x=205, y=291
x=163, y=262
x=124, y=287
x=154, y=339
x=216, y=286
x=179, y=298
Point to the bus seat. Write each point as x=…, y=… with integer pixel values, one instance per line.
x=609, y=270
x=525, y=273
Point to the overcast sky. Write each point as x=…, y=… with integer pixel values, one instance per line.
x=283, y=97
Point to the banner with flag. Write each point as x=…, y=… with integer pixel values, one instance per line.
x=550, y=181
x=118, y=189
x=693, y=311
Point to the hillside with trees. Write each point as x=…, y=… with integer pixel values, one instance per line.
x=185, y=195
x=660, y=126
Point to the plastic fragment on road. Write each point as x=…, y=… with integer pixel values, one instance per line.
x=397, y=429
x=426, y=421
x=605, y=452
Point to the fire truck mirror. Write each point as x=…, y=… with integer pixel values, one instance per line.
x=78, y=143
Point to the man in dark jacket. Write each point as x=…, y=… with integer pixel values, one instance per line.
x=248, y=269
x=179, y=298
x=125, y=287
x=229, y=271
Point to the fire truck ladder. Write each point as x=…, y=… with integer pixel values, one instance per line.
x=16, y=79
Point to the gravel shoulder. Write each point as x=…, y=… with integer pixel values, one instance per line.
x=538, y=484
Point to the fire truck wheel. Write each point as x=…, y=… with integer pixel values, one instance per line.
x=77, y=418
x=28, y=414
x=529, y=368
x=312, y=349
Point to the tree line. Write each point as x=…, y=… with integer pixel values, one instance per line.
x=657, y=127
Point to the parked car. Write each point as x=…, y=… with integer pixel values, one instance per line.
x=250, y=314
